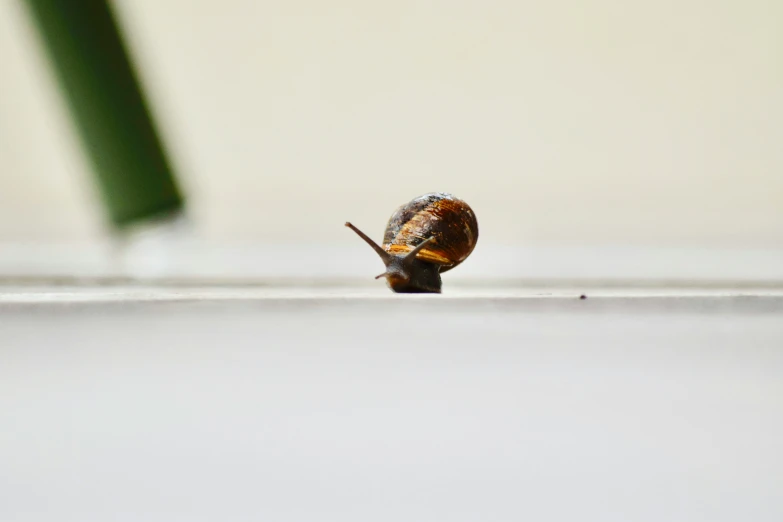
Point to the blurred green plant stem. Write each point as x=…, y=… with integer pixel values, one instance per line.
x=109, y=112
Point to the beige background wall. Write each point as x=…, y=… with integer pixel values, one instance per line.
x=595, y=123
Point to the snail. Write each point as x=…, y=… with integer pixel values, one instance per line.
x=427, y=236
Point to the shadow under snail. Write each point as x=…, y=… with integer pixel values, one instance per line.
x=424, y=238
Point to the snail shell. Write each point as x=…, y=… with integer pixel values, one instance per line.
x=448, y=220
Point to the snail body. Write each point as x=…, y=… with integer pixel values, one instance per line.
x=424, y=238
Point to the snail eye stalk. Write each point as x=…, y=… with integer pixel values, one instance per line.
x=385, y=256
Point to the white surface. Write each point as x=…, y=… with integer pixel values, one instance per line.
x=244, y=404
x=661, y=297
x=170, y=255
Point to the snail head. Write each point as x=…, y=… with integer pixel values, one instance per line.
x=400, y=270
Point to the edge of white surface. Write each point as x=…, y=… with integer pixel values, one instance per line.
x=157, y=300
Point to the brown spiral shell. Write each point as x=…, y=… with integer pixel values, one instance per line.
x=447, y=219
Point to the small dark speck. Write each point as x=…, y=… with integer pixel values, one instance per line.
x=583, y=296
